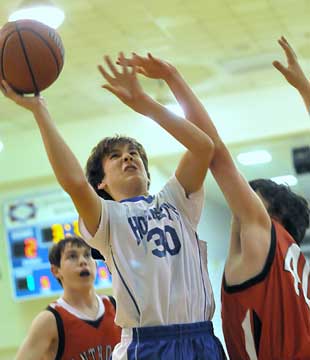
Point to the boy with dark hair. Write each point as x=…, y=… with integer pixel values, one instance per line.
x=290, y=209
x=94, y=169
x=80, y=324
x=148, y=242
x=265, y=291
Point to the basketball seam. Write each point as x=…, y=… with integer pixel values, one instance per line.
x=27, y=60
x=47, y=44
x=2, y=53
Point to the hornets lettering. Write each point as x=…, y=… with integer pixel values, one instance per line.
x=166, y=240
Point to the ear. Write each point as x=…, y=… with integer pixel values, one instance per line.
x=55, y=271
x=102, y=186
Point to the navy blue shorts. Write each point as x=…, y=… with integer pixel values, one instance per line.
x=194, y=341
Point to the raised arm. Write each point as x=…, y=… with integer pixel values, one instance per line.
x=192, y=169
x=293, y=72
x=66, y=167
x=41, y=340
x=246, y=206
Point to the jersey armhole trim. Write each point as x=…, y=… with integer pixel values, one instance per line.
x=61, y=333
x=112, y=300
x=259, y=277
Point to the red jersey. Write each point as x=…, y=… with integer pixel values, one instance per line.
x=268, y=316
x=83, y=339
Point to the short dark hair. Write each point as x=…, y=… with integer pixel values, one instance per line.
x=283, y=204
x=94, y=169
x=56, y=251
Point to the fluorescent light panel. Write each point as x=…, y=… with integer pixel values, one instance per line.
x=289, y=180
x=254, y=157
x=46, y=14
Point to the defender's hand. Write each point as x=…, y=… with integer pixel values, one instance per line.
x=293, y=71
x=149, y=66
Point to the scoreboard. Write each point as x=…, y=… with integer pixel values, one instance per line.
x=32, y=224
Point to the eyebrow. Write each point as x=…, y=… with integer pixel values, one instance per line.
x=131, y=147
x=71, y=251
x=74, y=251
x=114, y=151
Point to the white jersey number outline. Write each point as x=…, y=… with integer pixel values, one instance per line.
x=291, y=265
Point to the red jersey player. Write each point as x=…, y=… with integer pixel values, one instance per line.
x=80, y=324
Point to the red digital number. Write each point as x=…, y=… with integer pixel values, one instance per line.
x=31, y=248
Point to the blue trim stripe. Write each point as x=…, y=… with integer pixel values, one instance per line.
x=124, y=283
x=148, y=199
x=203, y=282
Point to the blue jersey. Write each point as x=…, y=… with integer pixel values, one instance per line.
x=157, y=262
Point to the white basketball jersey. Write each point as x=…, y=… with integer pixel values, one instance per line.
x=158, y=265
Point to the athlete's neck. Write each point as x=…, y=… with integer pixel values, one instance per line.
x=81, y=300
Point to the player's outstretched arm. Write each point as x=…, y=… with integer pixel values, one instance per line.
x=41, y=339
x=244, y=203
x=66, y=167
x=293, y=72
x=124, y=84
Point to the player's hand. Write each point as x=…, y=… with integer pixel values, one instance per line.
x=149, y=66
x=293, y=71
x=31, y=103
x=125, y=85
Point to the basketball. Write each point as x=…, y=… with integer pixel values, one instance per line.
x=31, y=55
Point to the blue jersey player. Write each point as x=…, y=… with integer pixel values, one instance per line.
x=160, y=281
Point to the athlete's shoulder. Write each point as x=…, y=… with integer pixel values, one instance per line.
x=45, y=322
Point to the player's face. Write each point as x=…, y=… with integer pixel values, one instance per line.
x=124, y=172
x=77, y=267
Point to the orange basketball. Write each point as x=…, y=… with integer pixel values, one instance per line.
x=31, y=55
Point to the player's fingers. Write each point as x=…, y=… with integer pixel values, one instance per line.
x=8, y=91
x=105, y=74
x=133, y=71
x=5, y=86
x=2, y=88
x=283, y=38
x=280, y=67
x=153, y=58
x=110, y=88
x=138, y=60
x=121, y=56
x=289, y=52
x=111, y=65
x=125, y=61
x=140, y=70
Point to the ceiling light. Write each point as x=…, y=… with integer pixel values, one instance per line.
x=254, y=157
x=44, y=11
x=289, y=180
x=1, y=146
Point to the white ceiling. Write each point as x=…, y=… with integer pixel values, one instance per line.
x=224, y=48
